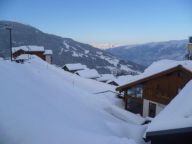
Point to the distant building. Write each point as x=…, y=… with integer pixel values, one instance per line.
x=190, y=48
x=174, y=124
x=149, y=92
x=112, y=82
x=33, y=50
x=74, y=67
x=105, y=77
x=108, y=78
x=88, y=73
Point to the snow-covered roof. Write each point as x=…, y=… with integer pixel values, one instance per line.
x=23, y=57
x=28, y=48
x=121, y=80
x=75, y=66
x=106, y=77
x=88, y=73
x=177, y=114
x=160, y=66
x=48, y=52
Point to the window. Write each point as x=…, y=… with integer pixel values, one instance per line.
x=136, y=91
x=152, y=110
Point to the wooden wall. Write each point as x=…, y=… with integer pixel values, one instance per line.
x=163, y=89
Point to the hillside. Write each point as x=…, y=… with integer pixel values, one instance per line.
x=145, y=54
x=65, y=50
x=44, y=104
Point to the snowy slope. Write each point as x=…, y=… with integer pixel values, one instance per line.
x=40, y=103
x=145, y=54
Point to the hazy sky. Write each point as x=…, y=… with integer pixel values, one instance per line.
x=105, y=21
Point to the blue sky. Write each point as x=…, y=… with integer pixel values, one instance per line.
x=105, y=21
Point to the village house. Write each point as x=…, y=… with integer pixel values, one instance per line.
x=74, y=67
x=88, y=73
x=149, y=92
x=112, y=82
x=105, y=77
x=108, y=78
x=174, y=124
x=32, y=50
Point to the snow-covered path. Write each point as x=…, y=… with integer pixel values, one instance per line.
x=40, y=103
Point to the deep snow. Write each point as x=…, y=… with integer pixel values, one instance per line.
x=40, y=103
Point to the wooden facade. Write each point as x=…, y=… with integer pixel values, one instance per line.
x=160, y=88
x=37, y=53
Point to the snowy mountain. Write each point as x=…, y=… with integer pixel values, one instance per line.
x=145, y=54
x=44, y=104
x=65, y=50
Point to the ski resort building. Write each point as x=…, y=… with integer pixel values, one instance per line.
x=149, y=92
x=74, y=67
x=174, y=124
x=33, y=50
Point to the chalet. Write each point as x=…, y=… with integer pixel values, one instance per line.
x=108, y=78
x=88, y=73
x=174, y=124
x=32, y=50
x=149, y=92
x=74, y=67
x=112, y=82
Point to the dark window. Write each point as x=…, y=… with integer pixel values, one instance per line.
x=152, y=109
x=136, y=91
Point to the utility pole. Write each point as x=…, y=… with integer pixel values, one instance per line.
x=10, y=39
x=7, y=27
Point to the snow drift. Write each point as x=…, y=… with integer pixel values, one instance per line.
x=42, y=104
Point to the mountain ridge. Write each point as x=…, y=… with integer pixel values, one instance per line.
x=145, y=54
x=65, y=50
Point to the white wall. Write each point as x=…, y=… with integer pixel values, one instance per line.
x=159, y=107
x=48, y=58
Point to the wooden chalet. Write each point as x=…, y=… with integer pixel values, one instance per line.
x=112, y=82
x=74, y=67
x=174, y=124
x=32, y=50
x=148, y=94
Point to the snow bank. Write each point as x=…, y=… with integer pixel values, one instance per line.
x=40, y=103
x=178, y=114
x=125, y=115
x=23, y=57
